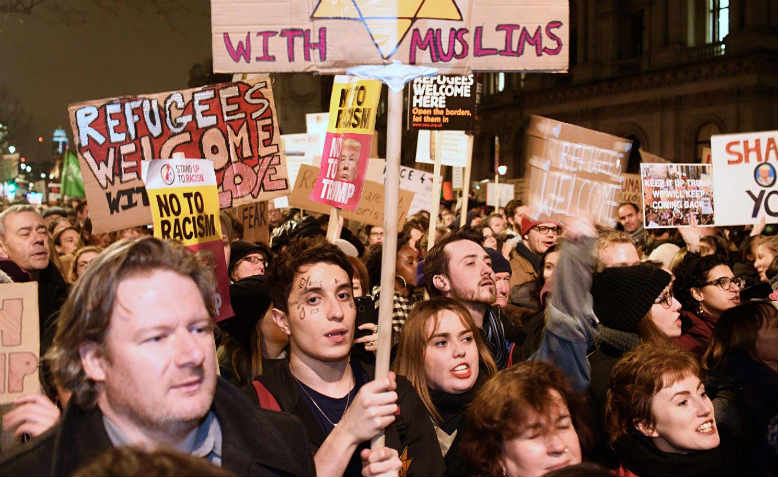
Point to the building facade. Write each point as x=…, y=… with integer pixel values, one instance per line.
x=666, y=73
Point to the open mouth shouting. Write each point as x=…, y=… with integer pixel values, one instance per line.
x=461, y=371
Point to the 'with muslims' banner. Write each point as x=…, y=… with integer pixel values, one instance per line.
x=185, y=207
x=347, y=145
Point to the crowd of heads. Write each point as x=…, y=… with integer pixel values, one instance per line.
x=135, y=334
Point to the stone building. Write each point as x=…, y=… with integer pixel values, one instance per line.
x=665, y=73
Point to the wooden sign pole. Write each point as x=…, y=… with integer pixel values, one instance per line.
x=466, y=184
x=435, y=190
x=334, y=225
x=389, y=249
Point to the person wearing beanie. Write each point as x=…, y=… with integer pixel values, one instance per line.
x=502, y=276
x=538, y=236
x=252, y=336
x=634, y=305
x=247, y=259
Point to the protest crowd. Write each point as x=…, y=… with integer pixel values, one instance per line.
x=519, y=347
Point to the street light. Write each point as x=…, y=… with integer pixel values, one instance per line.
x=43, y=175
x=12, y=149
x=502, y=169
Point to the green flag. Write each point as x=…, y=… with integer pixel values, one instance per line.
x=72, y=182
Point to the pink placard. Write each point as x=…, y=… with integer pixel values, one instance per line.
x=342, y=171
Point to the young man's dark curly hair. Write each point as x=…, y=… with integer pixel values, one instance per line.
x=299, y=253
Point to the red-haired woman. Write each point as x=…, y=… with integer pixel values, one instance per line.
x=660, y=420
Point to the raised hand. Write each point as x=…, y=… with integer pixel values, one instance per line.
x=33, y=415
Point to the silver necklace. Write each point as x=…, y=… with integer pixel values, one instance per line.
x=334, y=424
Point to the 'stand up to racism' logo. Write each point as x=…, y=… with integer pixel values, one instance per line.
x=387, y=22
x=168, y=176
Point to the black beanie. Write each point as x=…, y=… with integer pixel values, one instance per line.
x=250, y=301
x=624, y=295
x=499, y=264
x=241, y=249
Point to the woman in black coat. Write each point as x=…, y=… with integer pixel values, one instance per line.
x=742, y=366
x=442, y=354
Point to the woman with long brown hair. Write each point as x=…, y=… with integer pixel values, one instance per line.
x=442, y=354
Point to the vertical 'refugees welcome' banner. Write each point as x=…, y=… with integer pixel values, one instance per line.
x=347, y=144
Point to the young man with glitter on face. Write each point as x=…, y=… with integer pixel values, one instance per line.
x=340, y=405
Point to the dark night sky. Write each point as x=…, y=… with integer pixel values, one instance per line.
x=67, y=51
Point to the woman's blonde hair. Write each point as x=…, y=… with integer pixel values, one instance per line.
x=413, y=344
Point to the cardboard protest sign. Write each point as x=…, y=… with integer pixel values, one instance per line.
x=455, y=36
x=417, y=181
x=706, y=156
x=497, y=195
x=573, y=170
x=232, y=124
x=673, y=193
x=9, y=166
x=745, y=167
x=370, y=209
x=631, y=190
x=347, y=145
x=647, y=157
x=185, y=207
x=442, y=102
x=19, y=340
x=451, y=146
x=253, y=218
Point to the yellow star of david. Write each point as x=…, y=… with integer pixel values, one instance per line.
x=387, y=21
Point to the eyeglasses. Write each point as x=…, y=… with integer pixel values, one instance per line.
x=544, y=229
x=725, y=282
x=255, y=260
x=665, y=299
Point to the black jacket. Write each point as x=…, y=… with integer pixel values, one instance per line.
x=412, y=431
x=255, y=442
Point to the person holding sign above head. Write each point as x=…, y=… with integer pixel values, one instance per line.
x=135, y=345
x=458, y=267
x=320, y=383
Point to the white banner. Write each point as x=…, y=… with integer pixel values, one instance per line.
x=744, y=177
